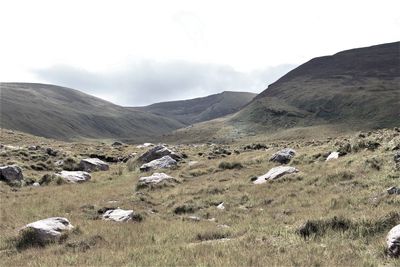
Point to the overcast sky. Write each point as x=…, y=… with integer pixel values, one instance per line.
x=140, y=52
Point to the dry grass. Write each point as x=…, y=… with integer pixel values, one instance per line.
x=263, y=220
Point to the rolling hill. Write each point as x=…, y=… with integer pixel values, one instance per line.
x=201, y=109
x=357, y=88
x=64, y=113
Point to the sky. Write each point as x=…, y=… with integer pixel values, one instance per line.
x=136, y=53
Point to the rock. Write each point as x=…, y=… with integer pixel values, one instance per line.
x=164, y=162
x=145, y=145
x=93, y=164
x=221, y=206
x=393, y=241
x=35, y=184
x=396, y=157
x=158, y=152
x=51, y=152
x=275, y=173
x=333, y=155
x=11, y=173
x=118, y=215
x=192, y=218
x=283, y=156
x=394, y=190
x=193, y=163
x=116, y=143
x=47, y=230
x=155, y=179
x=74, y=176
x=33, y=148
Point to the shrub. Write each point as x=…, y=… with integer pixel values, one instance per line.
x=185, y=209
x=230, y=165
x=214, y=235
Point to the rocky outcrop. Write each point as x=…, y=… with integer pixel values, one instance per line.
x=74, y=176
x=275, y=173
x=283, y=156
x=93, y=164
x=47, y=230
x=393, y=241
x=164, y=162
x=11, y=174
x=156, y=179
x=158, y=152
x=118, y=215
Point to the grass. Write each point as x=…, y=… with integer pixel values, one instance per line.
x=344, y=203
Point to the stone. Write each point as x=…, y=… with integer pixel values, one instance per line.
x=35, y=184
x=51, y=152
x=93, y=164
x=394, y=190
x=333, y=155
x=116, y=143
x=11, y=173
x=164, y=162
x=155, y=179
x=158, y=152
x=145, y=145
x=275, y=173
x=221, y=206
x=396, y=157
x=74, y=176
x=393, y=241
x=193, y=163
x=283, y=156
x=47, y=230
x=118, y=215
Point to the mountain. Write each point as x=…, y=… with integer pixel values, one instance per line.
x=357, y=88
x=201, y=109
x=64, y=113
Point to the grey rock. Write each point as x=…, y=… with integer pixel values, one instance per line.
x=164, y=162
x=283, y=156
x=74, y=176
x=11, y=173
x=155, y=179
x=158, y=152
x=48, y=230
x=394, y=190
x=396, y=156
x=93, y=164
x=275, y=173
x=393, y=241
x=118, y=215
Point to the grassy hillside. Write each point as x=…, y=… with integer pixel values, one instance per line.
x=201, y=109
x=64, y=113
x=345, y=200
x=358, y=88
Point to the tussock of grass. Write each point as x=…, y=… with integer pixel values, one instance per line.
x=230, y=165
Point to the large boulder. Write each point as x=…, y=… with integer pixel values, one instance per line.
x=158, y=152
x=118, y=215
x=155, y=180
x=393, y=241
x=164, y=162
x=47, y=230
x=275, y=173
x=283, y=156
x=11, y=173
x=74, y=176
x=93, y=164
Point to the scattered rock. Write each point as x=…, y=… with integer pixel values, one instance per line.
x=145, y=145
x=275, y=173
x=11, y=173
x=74, y=176
x=255, y=147
x=284, y=156
x=333, y=155
x=396, y=157
x=155, y=179
x=393, y=241
x=93, y=164
x=193, y=163
x=164, y=162
x=35, y=184
x=394, y=190
x=118, y=215
x=221, y=206
x=192, y=218
x=45, y=231
x=158, y=152
x=117, y=143
x=51, y=152
x=33, y=148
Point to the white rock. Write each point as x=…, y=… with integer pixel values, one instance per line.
x=155, y=179
x=333, y=155
x=193, y=163
x=74, y=176
x=145, y=145
x=164, y=162
x=221, y=206
x=275, y=173
x=49, y=229
x=35, y=184
x=118, y=215
x=93, y=164
x=393, y=241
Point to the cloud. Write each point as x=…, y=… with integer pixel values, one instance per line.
x=145, y=82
